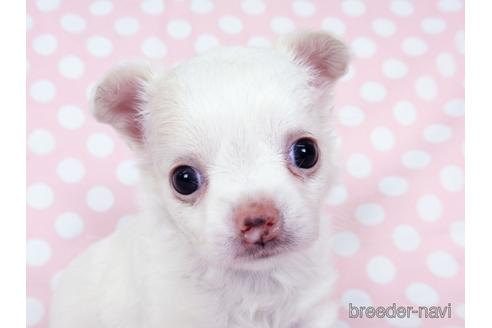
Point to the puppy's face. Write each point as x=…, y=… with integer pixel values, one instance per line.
x=236, y=143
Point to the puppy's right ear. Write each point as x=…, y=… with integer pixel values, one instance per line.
x=120, y=100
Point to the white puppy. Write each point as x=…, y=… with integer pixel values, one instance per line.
x=234, y=148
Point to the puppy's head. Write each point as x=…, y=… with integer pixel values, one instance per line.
x=235, y=143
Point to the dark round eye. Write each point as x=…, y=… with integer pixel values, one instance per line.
x=186, y=179
x=304, y=153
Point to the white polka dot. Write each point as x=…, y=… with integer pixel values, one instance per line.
x=359, y=166
x=29, y=22
x=406, y=238
x=458, y=232
x=45, y=44
x=99, y=46
x=41, y=142
x=414, y=46
x=433, y=25
x=230, y=24
x=340, y=324
x=34, y=311
x=202, y=6
x=71, y=67
x=38, y=252
x=90, y=91
x=363, y=47
x=206, y=42
x=370, y=214
x=253, y=7
x=281, y=25
x=446, y=64
x=40, y=196
x=345, y=243
x=47, y=5
x=337, y=195
x=381, y=270
x=429, y=207
x=421, y=294
x=127, y=172
x=455, y=107
x=373, y=92
x=413, y=321
x=394, y=68
x=42, y=91
x=70, y=117
x=382, y=138
x=73, y=23
x=303, y=8
x=415, y=159
x=383, y=27
x=460, y=311
x=100, y=199
x=356, y=297
x=442, y=264
x=126, y=26
x=337, y=142
x=101, y=7
x=179, y=29
x=55, y=280
x=452, y=178
x=426, y=88
x=349, y=74
x=153, y=47
x=350, y=116
x=69, y=225
x=393, y=186
x=353, y=8
x=100, y=145
x=259, y=41
x=459, y=41
x=152, y=7
x=70, y=170
x=333, y=25
x=450, y=5
x=402, y=7
x=405, y=113
x=437, y=133
x=123, y=221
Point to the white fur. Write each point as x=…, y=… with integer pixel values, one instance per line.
x=232, y=113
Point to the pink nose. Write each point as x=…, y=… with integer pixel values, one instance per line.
x=258, y=222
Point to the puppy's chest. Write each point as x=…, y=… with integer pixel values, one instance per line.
x=248, y=306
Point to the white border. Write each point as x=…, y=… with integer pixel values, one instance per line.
x=13, y=164
x=478, y=128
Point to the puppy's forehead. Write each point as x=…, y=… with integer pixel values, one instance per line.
x=232, y=96
x=235, y=80
x=229, y=68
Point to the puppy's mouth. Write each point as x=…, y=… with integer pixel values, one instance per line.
x=260, y=250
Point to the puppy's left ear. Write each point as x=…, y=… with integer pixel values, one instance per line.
x=323, y=55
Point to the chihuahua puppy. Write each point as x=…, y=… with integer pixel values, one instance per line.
x=235, y=155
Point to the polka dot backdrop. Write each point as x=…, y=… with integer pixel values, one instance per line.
x=398, y=210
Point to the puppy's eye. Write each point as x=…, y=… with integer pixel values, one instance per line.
x=186, y=179
x=304, y=153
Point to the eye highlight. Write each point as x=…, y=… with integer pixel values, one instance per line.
x=186, y=179
x=304, y=153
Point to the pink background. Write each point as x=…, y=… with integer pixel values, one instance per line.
x=398, y=212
